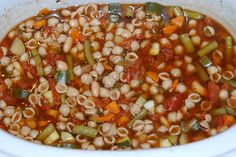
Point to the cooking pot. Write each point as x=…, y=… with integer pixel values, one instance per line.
x=14, y=11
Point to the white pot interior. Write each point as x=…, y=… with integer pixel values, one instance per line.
x=13, y=12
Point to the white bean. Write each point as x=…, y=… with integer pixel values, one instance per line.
x=77, y=70
x=64, y=110
x=68, y=44
x=95, y=88
x=61, y=65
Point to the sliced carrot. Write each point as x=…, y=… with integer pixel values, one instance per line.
x=123, y=120
x=178, y=21
x=229, y=120
x=101, y=119
x=174, y=85
x=113, y=107
x=39, y=24
x=31, y=123
x=75, y=34
x=108, y=67
x=169, y=29
x=53, y=113
x=42, y=123
x=44, y=11
x=152, y=75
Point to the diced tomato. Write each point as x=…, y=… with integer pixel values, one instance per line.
x=133, y=70
x=126, y=44
x=226, y=86
x=207, y=21
x=167, y=55
x=102, y=102
x=122, y=100
x=30, y=69
x=56, y=96
x=24, y=83
x=10, y=100
x=173, y=103
x=47, y=29
x=213, y=92
x=3, y=89
x=103, y=20
x=52, y=57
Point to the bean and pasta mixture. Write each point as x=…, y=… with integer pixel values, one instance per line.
x=117, y=76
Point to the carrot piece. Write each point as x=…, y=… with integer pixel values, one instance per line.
x=53, y=113
x=113, y=107
x=75, y=34
x=42, y=123
x=229, y=120
x=152, y=75
x=178, y=21
x=123, y=120
x=40, y=23
x=44, y=11
x=169, y=29
x=174, y=85
x=31, y=123
x=101, y=119
x=108, y=67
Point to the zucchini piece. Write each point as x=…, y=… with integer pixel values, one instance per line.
x=153, y=8
x=66, y=137
x=46, y=132
x=52, y=138
x=123, y=142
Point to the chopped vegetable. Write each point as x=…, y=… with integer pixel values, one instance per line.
x=165, y=143
x=61, y=76
x=153, y=8
x=153, y=76
x=85, y=131
x=101, y=119
x=155, y=49
x=88, y=53
x=230, y=110
x=46, y=132
x=39, y=24
x=219, y=111
x=228, y=48
x=205, y=61
x=199, y=88
x=173, y=139
x=187, y=42
x=38, y=62
x=113, y=107
x=70, y=63
x=52, y=138
x=201, y=72
x=53, y=113
x=207, y=49
x=139, y=116
x=20, y=93
x=232, y=83
x=150, y=106
x=49, y=96
x=67, y=137
x=140, y=101
x=178, y=21
x=128, y=11
x=123, y=142
x=69, y=145
x=174, y=102
x=177, y=11
x=114, y=11
x=123, y=120
x=17, y=47
x=193, y=15
x=169, y=29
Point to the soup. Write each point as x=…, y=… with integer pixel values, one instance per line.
x=117, y=76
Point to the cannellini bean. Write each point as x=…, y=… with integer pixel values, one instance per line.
x=61, y=65
x=25, y=130
x=68, y=44
x=166, y=84
x=64, y=110
x=196, y=40
x=99, y=68
x=62, y=38
x=104, y=92
x=24, y=57
x=179, y=49
x=176, y=72
x=117, y=50
x=73, y=23
x=47, y=70
x=97, y=55
x=79, y=115
x=86, y=79
x=153, y=89
x=106, y=51
x=192, y=23
x=3, y=104
x=108, y=81
x=95, y=88
x=119, y=68
x=125, y=89
x=71, y=91
x=190, y=68
x=77, y=70
x=114, y=94
x=9, y=111
x=134, y=83
x=5, y=61
x=223, y=95
x=98, y=141
x=181, y=88
x=52, y=21
x=135, y=45
x=66, y=12
x=174, y=36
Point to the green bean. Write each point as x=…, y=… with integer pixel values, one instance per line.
x=38, y=62
x=207, y=49
x=205, y=61
x=201, y=72
x=153, y=8
x=187, y=42
x=46, y=132
x=70, y=74
x=141, y=115
x=229, y=110
x=85, y=130
x=177, y=11
x=232, y=83
x=20, y=93
x=63, y=98
x=218, y=111
x=129, y=12
x=229, y=48
x=193, y=15
x=88, y=53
